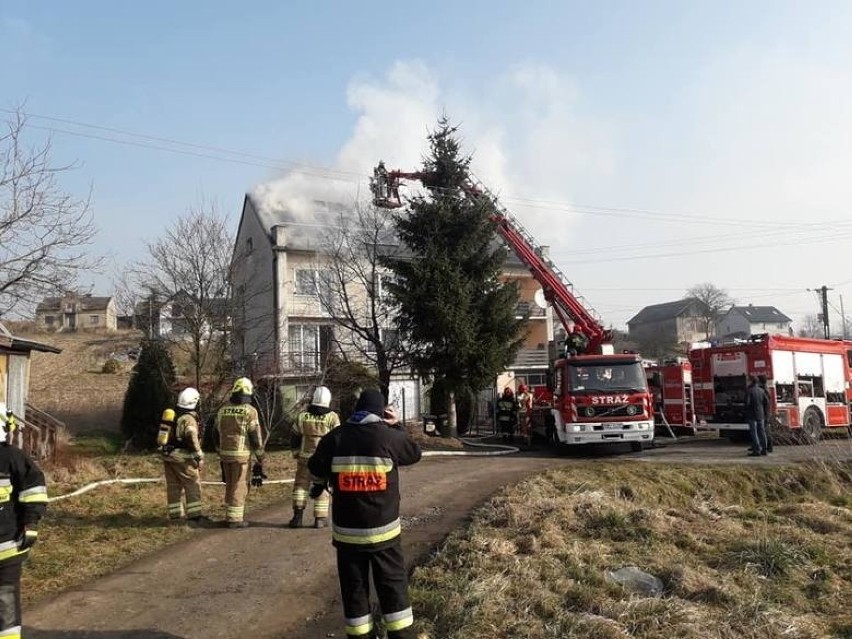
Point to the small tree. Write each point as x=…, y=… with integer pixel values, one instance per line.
x=714, y=301
x=811, y=326
x=148, y=394
x=457, y=314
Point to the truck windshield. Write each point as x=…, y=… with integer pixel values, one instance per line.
x=614, y=377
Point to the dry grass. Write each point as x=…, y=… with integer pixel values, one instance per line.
x=95, y=533
x=72, y=386
x=754, y=553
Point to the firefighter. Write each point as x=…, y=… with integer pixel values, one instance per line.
x=525, y=404
x=507, y=414
x=575, y=342
x=183, y=460
x=361, y=460
x=238, y=435
x=311, y=425
x=23, y=489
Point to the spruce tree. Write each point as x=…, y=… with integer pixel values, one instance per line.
x=457, y=314
x=148, y=394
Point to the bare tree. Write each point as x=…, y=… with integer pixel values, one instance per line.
x=352, y=291
x=188, y=271
x=714, y=301
x=43, y=229
x=811, y=326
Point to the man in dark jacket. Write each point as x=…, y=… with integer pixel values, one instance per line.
x=761, y=379
x=756, y=404
x=23, y=489
x=361, y=460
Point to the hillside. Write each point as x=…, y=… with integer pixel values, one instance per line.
x=71, y=385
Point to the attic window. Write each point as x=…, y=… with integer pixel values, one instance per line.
x=249, y=245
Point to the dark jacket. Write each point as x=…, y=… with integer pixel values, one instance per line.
x=23, y=499
x=361, y=460
x=756, y=403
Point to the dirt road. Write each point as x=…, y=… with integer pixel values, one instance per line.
x=271, y=582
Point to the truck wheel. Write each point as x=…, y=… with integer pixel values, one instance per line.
x=811, y=426
x=636, y=447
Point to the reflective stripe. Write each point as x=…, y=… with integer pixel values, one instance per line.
x=365, y=536
x=399, y=620
x=193, y=508
x=176, y=508
x=5, y=482
x=34, y=495
x=234, y=513
x=356, y=464
x=359, y=625
x=234, y=453
x=9, y=549
x=11, y=633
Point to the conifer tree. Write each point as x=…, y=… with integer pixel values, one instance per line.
x=148, y=394
x=457, y=314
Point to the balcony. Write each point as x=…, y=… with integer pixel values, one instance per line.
x=527, y=309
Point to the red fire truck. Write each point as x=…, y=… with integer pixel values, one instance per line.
x=673, y=395
x=808, y=381
x=593, y=398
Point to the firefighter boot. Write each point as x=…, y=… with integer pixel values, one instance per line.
x=296, y=521
x=321, y=522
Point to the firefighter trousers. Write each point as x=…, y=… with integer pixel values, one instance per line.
x=391, y=584
x=235, y=475
x=182, y=477
x=10, y=598
x=301, y=488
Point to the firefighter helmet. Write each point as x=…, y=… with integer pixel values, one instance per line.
x=522, y=388
x=243, y=386
x=188, y=398
x=322, y=397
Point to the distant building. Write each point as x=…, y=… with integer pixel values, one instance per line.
x=76, y=311
x=175, y=316
x=743, y=321
x=679, y=322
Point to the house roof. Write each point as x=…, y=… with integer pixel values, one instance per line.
x=21, y=345
x=85, y=302
x=761, y=314
x=664, y=311
x=306, y=231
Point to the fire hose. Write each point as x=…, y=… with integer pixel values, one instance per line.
x=501, y=449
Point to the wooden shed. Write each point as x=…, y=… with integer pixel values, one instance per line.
x=38, y=430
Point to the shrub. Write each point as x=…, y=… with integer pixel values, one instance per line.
x=148, y=394
x=111, y=366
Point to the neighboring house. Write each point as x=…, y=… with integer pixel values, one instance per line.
x=744, y=321
x=679, y=322
x=161, y=316
x=75, y=311
x=37, y=434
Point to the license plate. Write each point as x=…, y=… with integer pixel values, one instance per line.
x=614, y=426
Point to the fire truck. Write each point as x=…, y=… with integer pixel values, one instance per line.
x=673, y=395
x=597, y=397
x=808, y=381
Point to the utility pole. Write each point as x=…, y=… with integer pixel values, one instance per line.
x=822, y=291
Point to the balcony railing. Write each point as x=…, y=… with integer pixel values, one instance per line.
x=526, y=309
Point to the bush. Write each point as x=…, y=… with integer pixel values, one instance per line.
x=111, y=366
x=148, y=394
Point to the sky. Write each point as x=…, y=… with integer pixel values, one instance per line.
x=651, y=146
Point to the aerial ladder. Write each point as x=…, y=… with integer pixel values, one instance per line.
x=570, y=307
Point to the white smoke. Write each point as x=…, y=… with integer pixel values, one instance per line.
x=522, y=130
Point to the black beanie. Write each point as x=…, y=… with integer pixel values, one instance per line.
x=371, y=401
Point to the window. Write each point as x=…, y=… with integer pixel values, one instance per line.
x=304, y=346
x=49, y=319
x=94, y=320
x=309, y=281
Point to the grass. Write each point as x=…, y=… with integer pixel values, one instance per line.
x=93, y=534
x=742, y=552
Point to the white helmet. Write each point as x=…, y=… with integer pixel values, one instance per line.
x=322, y=397
x=188, y=398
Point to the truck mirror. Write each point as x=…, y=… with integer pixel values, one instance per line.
x=655, y=380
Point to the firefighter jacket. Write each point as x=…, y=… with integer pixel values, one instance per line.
x=507, y=410
x=23, y=500
x=310, y=427
x=238, y=430
x=185, y=444
x=361, y=461
x=525, y=402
